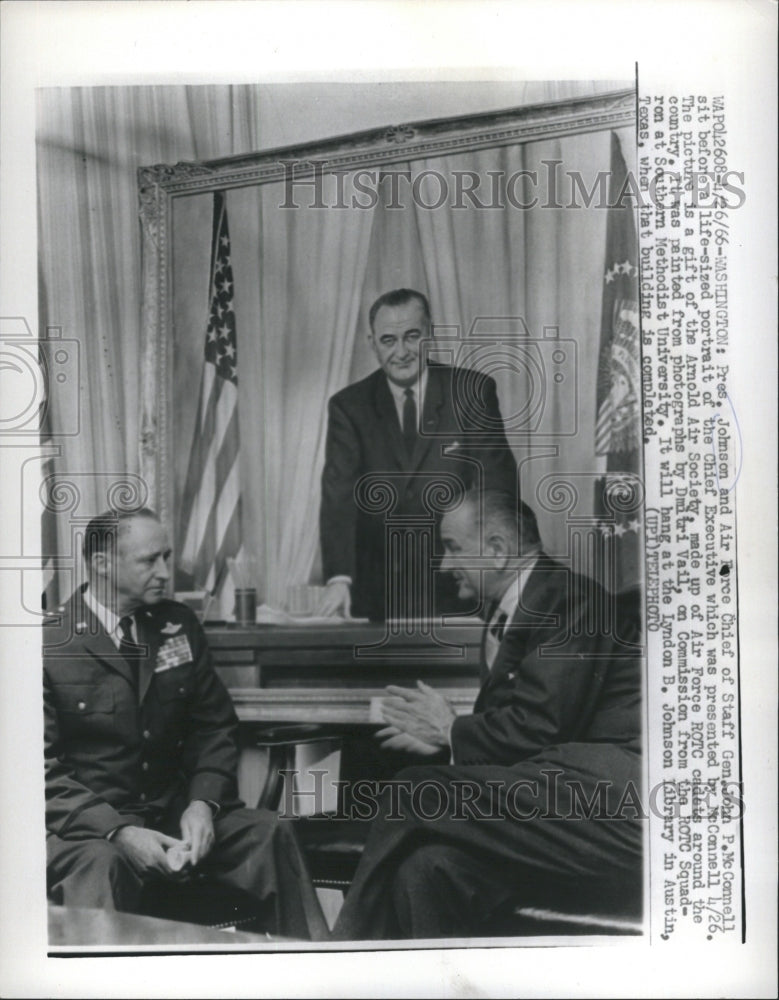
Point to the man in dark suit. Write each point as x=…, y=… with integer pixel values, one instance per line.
x=140, y=749
x=542, y=783
x=419, y=429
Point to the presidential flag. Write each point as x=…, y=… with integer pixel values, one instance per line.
x=619, y=494
x=209, y=526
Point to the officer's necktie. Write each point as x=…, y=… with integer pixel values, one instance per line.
x=129, y=649
x=409, y=421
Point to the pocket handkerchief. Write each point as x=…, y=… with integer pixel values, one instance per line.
x=173, y=653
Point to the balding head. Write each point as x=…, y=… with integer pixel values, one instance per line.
x=104, y=530
x=127, y=557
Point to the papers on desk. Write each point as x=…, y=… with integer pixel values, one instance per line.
x=266, y=615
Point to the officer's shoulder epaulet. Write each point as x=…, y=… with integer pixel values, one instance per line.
x=56, y=616
x=57, y=627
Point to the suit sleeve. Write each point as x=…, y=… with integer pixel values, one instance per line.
x=73, y=811
x=210, y=752
x=488, y=441
x=338, y=513
x=539, y=700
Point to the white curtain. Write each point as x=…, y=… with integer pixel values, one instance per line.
x=91, y=142
x=310, y=289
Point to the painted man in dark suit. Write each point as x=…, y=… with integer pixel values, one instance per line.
x=412, y=425
x=141, y=756
x=542, y=783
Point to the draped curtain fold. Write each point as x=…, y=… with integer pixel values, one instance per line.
x=90, y=142
x=310, y=292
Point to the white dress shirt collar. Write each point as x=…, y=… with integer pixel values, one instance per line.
x=510, y=600
x=107, y=618
x=399, y=395
x=508, y=605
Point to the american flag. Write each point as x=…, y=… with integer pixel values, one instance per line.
x=618, y=425
x=209, y=527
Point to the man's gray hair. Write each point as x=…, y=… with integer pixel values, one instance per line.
x=103, y=530
x=399, y=297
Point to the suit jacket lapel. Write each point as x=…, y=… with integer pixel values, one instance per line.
x=88, y=632
x=484, y=670
x=431, y=414
x=540, y=594
x=385, y=407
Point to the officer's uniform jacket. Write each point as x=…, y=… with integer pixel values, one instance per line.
x=117, y=754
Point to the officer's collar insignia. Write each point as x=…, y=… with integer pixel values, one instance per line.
x=171, y=628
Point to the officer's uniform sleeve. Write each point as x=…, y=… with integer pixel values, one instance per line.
x=210, y=751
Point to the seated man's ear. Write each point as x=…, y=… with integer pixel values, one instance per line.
x=499, y=549
x=100, y=564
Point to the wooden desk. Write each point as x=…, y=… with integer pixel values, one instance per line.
x=329, y=674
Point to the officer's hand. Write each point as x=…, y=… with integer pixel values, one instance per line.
x=146, y=850
x=197, y=829
x=336, y=600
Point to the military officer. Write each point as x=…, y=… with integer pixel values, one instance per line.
x=140, y=748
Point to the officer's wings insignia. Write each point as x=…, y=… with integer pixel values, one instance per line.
x=171, y=628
